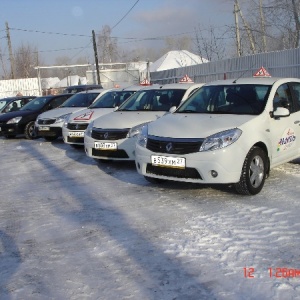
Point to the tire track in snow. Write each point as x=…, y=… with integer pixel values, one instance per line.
x=233, y=239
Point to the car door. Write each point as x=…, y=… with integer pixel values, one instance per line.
x=285, y=131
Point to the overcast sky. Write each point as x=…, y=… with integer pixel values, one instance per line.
x=64, y=27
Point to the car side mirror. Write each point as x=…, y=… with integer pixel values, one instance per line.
x=281, y=112
x=172, y=109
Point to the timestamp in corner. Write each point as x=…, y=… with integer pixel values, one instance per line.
x=249, y=272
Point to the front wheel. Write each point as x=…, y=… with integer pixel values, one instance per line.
x=29, y=132
x=254, y=172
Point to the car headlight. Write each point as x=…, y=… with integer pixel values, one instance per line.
x=220, y=140
x=14, y=120
x=136, y=130
x=63, y=118
x=89, y=129
x=143, y=136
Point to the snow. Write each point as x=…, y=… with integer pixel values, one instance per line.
x=74, y=228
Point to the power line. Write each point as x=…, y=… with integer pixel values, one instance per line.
x=49, y=32
x=125, y=15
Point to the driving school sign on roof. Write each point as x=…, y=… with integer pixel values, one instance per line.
x=185, y=79
x=262, y=72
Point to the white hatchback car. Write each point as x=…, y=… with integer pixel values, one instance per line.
x=74, y=128
x=49, y=124
x=227, y=132
x=113, y=136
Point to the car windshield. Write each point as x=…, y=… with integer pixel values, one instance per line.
x=227, y=99
x=111, y=99
x=80, y=100
x=36, y=104
x=153, y=100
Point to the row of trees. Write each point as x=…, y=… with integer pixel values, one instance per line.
x=259, y=26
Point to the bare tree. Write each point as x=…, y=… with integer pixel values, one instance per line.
x=210, y=43
x=107, y=46
x=26, y=58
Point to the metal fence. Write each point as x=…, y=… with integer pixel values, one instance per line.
x=284, y=63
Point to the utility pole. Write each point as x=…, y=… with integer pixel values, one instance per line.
x=237, y=31
x=263, y=28
x=11, y=57
x=96, y=57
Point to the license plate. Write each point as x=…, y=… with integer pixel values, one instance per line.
x=76, y=134
x=168, y=161
x=44, y=128
x=105, y=146
x=0, y=129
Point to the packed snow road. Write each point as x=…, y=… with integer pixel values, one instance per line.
x=71, y=228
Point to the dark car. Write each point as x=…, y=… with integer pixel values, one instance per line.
x=22, y=121
x=81, y=88
x=14, y=103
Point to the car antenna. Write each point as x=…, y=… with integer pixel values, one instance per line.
x=235, y=80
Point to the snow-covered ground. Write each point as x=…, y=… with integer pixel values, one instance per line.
x=71, y=228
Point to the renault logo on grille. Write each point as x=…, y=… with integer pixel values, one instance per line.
x=106, y=135
x=169, y=147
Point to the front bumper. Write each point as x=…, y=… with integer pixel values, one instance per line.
x=51, y=131
x=227, y=163
x=73, y=137
x=124, y=151
x=11, y=129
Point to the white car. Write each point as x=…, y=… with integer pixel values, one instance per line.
x=113, y=136
x=49, y=124
x=74, y=128
x=227, y=132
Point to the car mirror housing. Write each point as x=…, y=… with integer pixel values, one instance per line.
x=281, y=112
x=172, y=109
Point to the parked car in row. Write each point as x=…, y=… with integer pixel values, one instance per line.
x=22, y=121
x=113, y=136
x=227, y=132
x=14, y=103
x=74, y=128
x=49, y=124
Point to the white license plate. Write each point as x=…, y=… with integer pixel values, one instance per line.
x=44, y=128
x=168, y=161
x=105, y=146
x=76, y=134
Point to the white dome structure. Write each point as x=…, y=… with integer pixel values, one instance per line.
x=176, y=59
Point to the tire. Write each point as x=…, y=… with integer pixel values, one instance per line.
x=50, y=138
x=155, y=180
x=29, y=132
x=254, y=172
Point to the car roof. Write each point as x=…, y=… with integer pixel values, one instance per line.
x=93, y=91
x=252, y=80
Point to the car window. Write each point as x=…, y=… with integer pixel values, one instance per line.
x=154, y=100
x=81, y=100
x=283, y=98
x=231, y=99
x=3, y=103
x=295, y=87
x=111, y=99
x=36, y=104
x=58, y=101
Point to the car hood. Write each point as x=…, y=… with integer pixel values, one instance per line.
x=179, y=125
x=19, y=113
x=87, y=115
x=126, y=119
x=57, y=112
